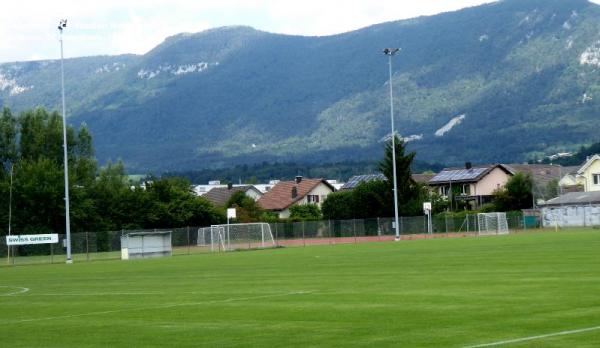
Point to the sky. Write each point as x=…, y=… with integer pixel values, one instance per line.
x=28, y=28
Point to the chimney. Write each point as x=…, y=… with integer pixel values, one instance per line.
x=229, y=186
x=294, y=192
x=468, y=165
x=298, y=179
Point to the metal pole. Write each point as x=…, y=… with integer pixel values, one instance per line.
x=10, y=209
x=62, y=25
x=390, y=53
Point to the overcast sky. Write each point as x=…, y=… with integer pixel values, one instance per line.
x=28, y=27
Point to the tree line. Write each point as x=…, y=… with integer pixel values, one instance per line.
x=102, y=198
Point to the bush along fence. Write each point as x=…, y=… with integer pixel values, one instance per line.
x=91, y=246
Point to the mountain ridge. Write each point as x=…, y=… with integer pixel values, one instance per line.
x=523, y=73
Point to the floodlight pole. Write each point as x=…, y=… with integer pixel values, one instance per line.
x=61, y=26
x=10, y=209
x=390, y=53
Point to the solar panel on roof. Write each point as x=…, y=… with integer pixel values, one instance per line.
x=459, y=174
x=358, y=179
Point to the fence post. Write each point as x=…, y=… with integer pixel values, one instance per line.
x=188, y=239
x=87, y=246
x=329, y=229
x=303, y=226
x=401, y=225
x=354, y=229
x=276, y=235
x=51, y=253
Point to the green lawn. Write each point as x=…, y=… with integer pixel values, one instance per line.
x=427, y=293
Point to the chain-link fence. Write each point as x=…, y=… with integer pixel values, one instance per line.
x=91, y=246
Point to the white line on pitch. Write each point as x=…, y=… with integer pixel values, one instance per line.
x=20, y=291
x=159, y=307
x=531, y=338
x=99, y=294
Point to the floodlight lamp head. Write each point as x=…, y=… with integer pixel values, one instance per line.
x=62, y=24
x=390, y=51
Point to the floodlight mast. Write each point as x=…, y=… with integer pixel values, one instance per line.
x=390, y=52
x=63, y=24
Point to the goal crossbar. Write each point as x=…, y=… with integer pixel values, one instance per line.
x=492, y=223
x=236, y=236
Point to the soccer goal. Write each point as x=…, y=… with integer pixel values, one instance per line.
x=241, y=236
x=492, y=223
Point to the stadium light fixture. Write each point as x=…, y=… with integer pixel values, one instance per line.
x=390, y=52
x=62, y=25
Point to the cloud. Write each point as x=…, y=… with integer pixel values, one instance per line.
x=28, y=27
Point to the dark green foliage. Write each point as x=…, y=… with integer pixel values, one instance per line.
x=410, y=195
x=100, y=199
x=247, y=210
x=265, y=171
x=513, y=68
x=303, y=212
x=579, y=157
x=375, y=199
x=516, y=194
x=367, y=200
x=339, y=206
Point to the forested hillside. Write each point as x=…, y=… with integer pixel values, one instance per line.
x=505, y=82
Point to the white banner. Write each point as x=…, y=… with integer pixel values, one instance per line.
x=26, y=239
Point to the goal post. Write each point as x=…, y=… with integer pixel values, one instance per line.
x=241, y=236
x=492, y=224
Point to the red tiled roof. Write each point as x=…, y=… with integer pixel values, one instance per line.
x=219, y=196
x=279, y=197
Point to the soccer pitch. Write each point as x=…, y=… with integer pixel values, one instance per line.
x=522, y=290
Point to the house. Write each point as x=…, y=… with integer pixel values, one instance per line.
x=285, y=194
x=263, y=188
x=219, y=196
x=358, y=179
x=201, y=190
x=476, y=184
x=541, y=174
x=572, y=209
x=587, y=176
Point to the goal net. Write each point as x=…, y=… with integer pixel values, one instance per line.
x=237, y=236
x=492, y=223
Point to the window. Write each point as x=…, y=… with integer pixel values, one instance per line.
x=444, y=190
x=312, y=198
x=466, y=189
x=596, y=178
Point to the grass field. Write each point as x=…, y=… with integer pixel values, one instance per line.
x=426, y=293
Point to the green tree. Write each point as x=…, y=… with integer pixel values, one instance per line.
x=409, y=192
x=247, y=210
x=302, y=212
x=339, y=206
x=516, y=194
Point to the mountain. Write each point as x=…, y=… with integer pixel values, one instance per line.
x=503, y=82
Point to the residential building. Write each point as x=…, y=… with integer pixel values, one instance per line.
x=285, y=194
x=475, y=184
x=219, y=196
x=587, y=176
x=358, y=179
x=263, y=188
